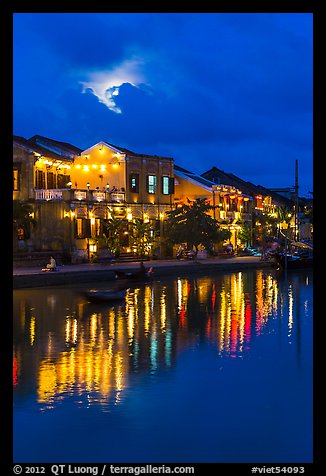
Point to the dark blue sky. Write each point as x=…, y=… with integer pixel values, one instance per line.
x=231, y=90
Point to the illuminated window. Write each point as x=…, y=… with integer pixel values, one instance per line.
x=134, y=183
x=83, y=228
x=151, y=183
x=167, y=185
x=16, y=177
x=98, y=228
x=259, y=202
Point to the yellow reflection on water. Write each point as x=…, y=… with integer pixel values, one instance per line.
x=32, y=330
x=47, y=381
x=94, y=352
x=163, y=309
x=290, y=321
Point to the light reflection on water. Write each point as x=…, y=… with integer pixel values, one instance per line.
x=96, y=355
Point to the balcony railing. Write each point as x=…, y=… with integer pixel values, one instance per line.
x=48, y=194
x=79, y=194
x=117, y=196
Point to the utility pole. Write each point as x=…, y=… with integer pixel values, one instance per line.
x=296, y=203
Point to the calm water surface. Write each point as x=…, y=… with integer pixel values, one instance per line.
x=194, y=369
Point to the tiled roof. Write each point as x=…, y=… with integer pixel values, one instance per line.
x=38, y=148
x=197, y=178
x=247, y=187
x=64, y=146
x=136, y=154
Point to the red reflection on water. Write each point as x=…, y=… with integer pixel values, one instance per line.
x=213, y=297
x=234, y=331
x=182, y=315
x=208, y=326
x=15, y=372
x=248, y=317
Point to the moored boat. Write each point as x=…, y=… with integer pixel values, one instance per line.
x=102, y=295
x=137, y=275
x=302, y=258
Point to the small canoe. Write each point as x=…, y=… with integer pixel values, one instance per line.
x=98, y=295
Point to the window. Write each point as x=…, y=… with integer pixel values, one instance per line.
x=167, y=185
x=50, y=180
x=39, y=179
x=98, y=228
x=245, y=205
x=83, y=228
x=16, y=178
x=259, y=202
x=134, y=183
x=151, y=183
x=62, y=180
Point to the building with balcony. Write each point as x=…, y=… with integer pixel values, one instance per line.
x=74, y=191
x=231, y=205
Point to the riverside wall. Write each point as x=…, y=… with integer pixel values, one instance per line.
x=30, y=278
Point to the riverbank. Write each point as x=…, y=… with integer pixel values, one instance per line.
x=31, y=277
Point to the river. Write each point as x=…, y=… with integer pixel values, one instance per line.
x=214, y=368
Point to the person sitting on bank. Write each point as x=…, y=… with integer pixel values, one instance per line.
x=142, y=270
x=52, y=265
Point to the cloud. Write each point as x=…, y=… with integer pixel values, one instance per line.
x=105, y=85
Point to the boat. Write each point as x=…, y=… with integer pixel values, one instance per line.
x=136, y=276
x=300, y=255
x=102, y=295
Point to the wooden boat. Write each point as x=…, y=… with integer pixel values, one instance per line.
x=102, y=295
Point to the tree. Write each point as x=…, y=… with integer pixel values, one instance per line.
x=192, y=224
x=23, y=217
x=141, y=237
x=245, y=233
x=111, y=237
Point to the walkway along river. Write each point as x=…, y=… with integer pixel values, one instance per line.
x=31, y=277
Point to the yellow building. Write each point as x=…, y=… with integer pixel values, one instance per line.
x=74, y=191
x=231, y=206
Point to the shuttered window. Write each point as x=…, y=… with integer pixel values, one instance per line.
x=83, y=228
x=39, y=179
x=134, y=183
x=167, y=185
x=151, y=183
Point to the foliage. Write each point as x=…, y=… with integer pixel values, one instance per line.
x=111, y=237
x=284, y=214
x=141, y=237
x=192, y=224
x=245, y=233
x=22, y=217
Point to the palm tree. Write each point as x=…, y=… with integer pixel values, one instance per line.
x=113, y=229
x=141, y=237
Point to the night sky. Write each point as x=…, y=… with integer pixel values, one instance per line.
x=231, y=90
